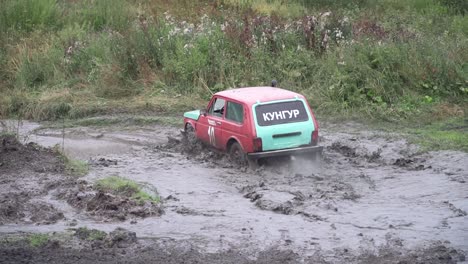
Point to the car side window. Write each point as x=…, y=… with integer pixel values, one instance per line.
x=235, y=112
x=217, y=108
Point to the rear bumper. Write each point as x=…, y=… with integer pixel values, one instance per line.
x=285, y=152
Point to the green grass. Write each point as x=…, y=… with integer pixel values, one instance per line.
x=7, y=134
x=125, y=187
x=76, y=167
x=27, y=15
x=72, y=166
x=90, y=234
x=32, y=240
x=38, y=240
x=448, y=135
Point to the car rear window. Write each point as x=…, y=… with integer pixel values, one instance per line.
x=281, y=113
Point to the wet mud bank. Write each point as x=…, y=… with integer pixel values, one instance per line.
x=373, y=198
x=36, y=188
x=122, y=246
x=27, y=172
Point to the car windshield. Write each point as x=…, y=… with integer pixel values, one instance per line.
x=281, y=113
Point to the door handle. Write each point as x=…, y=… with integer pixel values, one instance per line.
x=218, y=123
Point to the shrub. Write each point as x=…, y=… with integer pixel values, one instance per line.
x=457, y=6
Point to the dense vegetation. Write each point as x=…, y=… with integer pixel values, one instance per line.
x=382, y=59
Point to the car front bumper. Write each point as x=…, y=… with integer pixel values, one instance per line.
x=285, y=152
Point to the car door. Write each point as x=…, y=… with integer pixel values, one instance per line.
x=210, y=124
x=234, y=125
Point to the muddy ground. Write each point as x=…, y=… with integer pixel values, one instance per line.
x=374, y=198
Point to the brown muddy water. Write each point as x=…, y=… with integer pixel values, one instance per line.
x=374, y=198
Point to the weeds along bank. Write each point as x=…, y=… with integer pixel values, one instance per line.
x=385, y=59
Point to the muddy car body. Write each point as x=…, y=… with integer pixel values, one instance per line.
x=256, y=122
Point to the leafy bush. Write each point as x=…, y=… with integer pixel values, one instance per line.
x=457, y=6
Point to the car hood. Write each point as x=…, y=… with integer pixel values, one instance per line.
x=195, y=114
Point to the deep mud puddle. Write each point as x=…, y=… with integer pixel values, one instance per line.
x=372, y=191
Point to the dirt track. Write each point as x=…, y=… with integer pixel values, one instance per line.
x=373, y=199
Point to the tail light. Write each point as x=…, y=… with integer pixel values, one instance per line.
x=315, y=138
x=257, y=144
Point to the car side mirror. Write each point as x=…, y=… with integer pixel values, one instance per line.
x=203, y=112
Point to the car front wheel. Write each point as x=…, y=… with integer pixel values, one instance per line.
x=190, y=134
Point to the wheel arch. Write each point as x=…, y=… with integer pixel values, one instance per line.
x=233, y=140
x=191, y=123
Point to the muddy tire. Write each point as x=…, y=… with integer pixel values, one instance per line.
x=237, y=155
x=190, y=136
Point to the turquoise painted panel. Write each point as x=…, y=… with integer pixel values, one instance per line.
x=283, y=136
x=195, y=114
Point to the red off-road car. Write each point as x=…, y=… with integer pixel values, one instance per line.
x=256, y=122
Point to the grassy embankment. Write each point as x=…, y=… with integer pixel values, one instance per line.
x=391, y=60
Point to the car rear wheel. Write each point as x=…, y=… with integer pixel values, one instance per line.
x=237, y=155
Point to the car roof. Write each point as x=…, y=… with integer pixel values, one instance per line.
x=252, y=95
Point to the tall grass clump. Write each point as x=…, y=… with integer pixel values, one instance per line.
x=101, y=14
x=28, y=15
x=37, y=68
x=3, y=63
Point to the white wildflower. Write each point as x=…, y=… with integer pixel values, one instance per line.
x=187, y=31
x=338, y=34
x=167, y=16
x=263, y=38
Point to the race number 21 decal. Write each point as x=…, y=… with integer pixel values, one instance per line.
x=211, y=134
